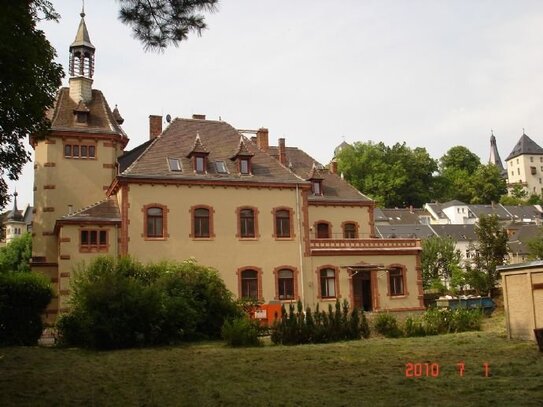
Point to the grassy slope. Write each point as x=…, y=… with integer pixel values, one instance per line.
x=366, y=372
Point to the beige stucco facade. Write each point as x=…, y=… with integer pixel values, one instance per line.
x=523, y=298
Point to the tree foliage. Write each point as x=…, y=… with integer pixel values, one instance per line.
x=535, y=246
x=15, y=256
x=439, y=259
x=29, y=79
x=490, y=248
x=159, y=23
x=121, y=303
x=393, y=176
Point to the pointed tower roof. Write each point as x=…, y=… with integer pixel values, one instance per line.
x=494, y=154
x=525, y=146
x=242, y=150
x=15, y=215
x=82, y=38
x=198, y=147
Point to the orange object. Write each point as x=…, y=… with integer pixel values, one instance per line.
x=267, y=313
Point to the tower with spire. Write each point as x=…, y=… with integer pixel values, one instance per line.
x=75, y=164
x=495, y=155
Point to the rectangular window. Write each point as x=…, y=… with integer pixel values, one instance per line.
x=247, y=223
x=396, y=282
x=75, y=151
x=92, y=151
x=316, y=188
x=84, y=153
x=531, y=159
x=220, y=166
x=199, y=163
x=328, y=283
x=244, y=166
x=533, y=170
x=93, y=240
x=282, y=223
x=67, y=150
x=175, y=164
x=201, y=223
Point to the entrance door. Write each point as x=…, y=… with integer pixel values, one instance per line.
x=361, y=282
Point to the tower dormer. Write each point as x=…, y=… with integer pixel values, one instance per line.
x=81, y=67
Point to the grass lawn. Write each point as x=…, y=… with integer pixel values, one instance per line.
x=366, y=372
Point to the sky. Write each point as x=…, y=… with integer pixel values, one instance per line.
x=430, y=73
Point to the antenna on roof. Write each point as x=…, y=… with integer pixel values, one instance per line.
x=168, y=118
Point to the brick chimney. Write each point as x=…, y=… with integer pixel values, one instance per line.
x=282, y=152
x=262, y=139
x=333, y=167
x=155, y=126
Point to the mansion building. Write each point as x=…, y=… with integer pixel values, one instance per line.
x=276, y=224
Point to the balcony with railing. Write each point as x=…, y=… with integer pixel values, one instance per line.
x=340, y=243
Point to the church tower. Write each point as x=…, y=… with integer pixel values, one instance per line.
x=75, y=164
x=495, y=155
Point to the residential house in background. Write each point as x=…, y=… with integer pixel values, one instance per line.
x=15, y=222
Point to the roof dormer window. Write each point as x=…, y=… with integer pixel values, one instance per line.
x=243, y=157
x=316, y=177
x=199, y=154
x=316, y=187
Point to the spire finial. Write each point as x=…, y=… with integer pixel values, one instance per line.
x=491, y=132
x=82, y=9
x=523, y=131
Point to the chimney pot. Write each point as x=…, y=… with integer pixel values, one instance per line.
x=155, y=126
x=333, y=167
x=262, y=139
x=282, y=152
x=199, y=116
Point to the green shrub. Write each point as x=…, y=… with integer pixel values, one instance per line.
x=121, y=303
x=23, y=298
x=387, y=325
x=414, y=327
x=463, y=320
x=241, y=331
x=15, y=256
x=437, y=321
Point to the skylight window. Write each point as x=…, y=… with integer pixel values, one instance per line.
x=175, y=164
x=221, y=167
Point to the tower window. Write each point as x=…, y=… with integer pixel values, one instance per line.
x=79, y=151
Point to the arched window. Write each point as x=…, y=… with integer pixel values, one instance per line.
x=201, y=222
x=349, y=230
x=323, y=230
x=247, y=223
x=285, y=284
x=155, y=222
x=249, y=284
x=328, y=283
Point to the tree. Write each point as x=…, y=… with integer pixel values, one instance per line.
x=459, y=158
x=490, y=248
x=535, y=246
x=159, y=23
x=487, y=185
x=29, y=79
x=439, y=259
x=15, y=256
x=393, y=176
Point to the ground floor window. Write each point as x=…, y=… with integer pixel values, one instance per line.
x=249, y=284
x=396, y=283
x=328, y=283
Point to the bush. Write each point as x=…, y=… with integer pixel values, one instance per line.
x=466, y=320
x=121, y=303
x=15, y=256
x=241, y=331
x=387, y=325
x=23, y=298
x=339, y=323
x=437, y=321
x=414, y=327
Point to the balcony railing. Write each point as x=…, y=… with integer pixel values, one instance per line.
x=375, y=243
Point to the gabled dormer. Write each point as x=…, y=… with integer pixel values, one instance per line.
x=81, y=113
x=199, y=154
x=316, y=178
x=243, y=157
